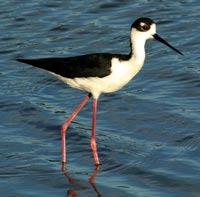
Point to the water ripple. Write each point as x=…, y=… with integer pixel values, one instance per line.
x=147, y=133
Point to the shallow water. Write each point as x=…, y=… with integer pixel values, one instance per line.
x=147, y=133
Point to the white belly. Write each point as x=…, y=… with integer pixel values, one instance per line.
x=122, y=73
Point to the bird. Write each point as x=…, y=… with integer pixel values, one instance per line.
x=99, y=73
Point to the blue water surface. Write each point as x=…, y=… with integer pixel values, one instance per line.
x=148, y=133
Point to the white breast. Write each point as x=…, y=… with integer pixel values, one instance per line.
x=121, y=73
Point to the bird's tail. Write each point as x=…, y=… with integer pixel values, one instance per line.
x=26, y=61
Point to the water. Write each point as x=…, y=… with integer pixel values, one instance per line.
x=147, y=133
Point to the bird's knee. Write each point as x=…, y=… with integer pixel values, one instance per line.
x=63, y=129
x=93, y=144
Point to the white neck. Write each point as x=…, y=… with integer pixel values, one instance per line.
x=138, y=43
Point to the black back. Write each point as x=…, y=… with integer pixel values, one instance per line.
x=92, y=65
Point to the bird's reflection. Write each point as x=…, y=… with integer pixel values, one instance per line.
x=72, y=181
x=92, y=178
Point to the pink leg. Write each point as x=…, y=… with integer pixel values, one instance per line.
x=93, y=134
x=67, y=123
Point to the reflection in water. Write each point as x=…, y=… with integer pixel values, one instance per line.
x=72, y=181
x=70, y=192
x=91, y=180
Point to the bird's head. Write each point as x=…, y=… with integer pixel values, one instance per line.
x=145, y=28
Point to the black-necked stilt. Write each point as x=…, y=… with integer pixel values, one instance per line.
x=100, y=73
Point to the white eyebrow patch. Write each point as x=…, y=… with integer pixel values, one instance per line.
x=142, y=24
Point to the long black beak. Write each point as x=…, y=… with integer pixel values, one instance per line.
x=157, y=37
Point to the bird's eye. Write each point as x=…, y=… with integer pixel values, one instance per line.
x=144, y=27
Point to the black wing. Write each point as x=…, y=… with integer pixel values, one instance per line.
x=93, y=65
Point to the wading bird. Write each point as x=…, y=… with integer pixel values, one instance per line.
x=99, y=73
